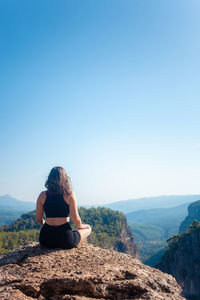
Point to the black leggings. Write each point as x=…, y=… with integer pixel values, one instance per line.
x=61, y=236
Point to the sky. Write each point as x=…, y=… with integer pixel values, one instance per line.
x=107, y=89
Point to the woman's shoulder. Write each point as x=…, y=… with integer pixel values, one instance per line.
x=43, y=194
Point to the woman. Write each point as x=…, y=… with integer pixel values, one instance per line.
x=57, y=202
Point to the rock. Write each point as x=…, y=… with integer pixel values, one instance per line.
x=126, y=241
x=182, y=260
x=86, y=272
x=193, y=214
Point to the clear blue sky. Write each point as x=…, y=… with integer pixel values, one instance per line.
x=108, y=89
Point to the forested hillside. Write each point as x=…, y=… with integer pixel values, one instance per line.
x=25, y=222
x=181, y=259
x=168, y=219
x=150, y=241
x=12, y=240
x=151, y=228
x=193, y=214
x=109, y=230
x=8, y=215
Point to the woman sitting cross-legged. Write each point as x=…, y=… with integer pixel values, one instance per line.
x=57, y=203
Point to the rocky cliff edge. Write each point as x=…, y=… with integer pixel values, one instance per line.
x=193, y=214
x=86, y=272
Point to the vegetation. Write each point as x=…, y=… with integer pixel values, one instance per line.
x=181, y=257
x=151, y=228
x=25, y=222
x=193, y=214
x=178, y=239
x=156, y=258
x=167, y=219
x=8, y=215
x=12, y=240
x=150, y=240
x=106, y=224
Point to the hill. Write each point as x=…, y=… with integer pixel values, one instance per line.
x=109, y=230
x=168, y=219
x=25, y=222
x=181, y=259
x=11, y=209
x=8, y=202
x=82, y=273
x=131, y=205
x=150, y=242
x=193, y=214
x=9, y=215
x=151, y=228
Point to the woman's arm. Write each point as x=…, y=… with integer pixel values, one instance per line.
x=74, y=212
x=39, y=208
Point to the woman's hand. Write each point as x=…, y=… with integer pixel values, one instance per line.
x=85, y=226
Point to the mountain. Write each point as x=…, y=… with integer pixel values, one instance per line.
x=151, y=228
x=168, y=219
x=131, y=205
x=11, y=209
x=82, y=273
x=181, y=260
x=8, y=202
x=109, y=230
x=25, y=222
x=7, y=216
x=150, y=241
x=193, y=214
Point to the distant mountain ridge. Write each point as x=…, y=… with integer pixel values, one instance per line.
x=131, y=205
x=151, y=227
x=11, y=209
x=126, y=206
x=160, y=216
x=8, y=202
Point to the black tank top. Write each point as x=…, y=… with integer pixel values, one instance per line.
x=55, y=206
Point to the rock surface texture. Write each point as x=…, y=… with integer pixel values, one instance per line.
x=86, y=272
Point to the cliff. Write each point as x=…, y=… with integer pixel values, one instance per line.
x=193, y=214
x=182, y=260
x=86, y=272
x=126, y=242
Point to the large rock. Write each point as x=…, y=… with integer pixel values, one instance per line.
x=86, y=272
x=182, y=260
x=126, y=241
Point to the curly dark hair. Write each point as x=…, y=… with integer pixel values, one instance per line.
x=58, y=182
